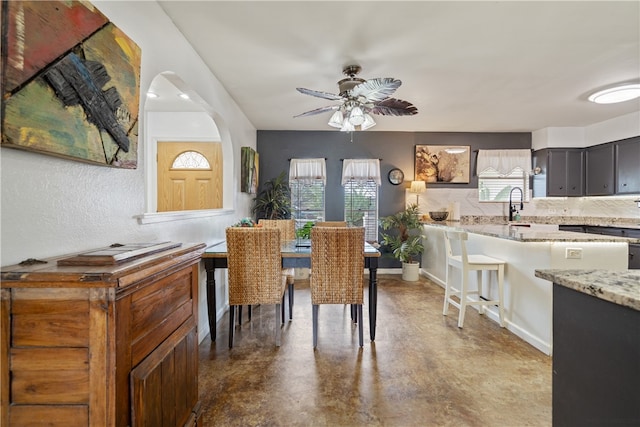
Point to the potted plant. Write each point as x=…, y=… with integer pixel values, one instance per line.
x=274, y=201
x=406, y=244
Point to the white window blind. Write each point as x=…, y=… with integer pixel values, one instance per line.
x=495, y=187
x=307, y=179
x=361, y=178
x=499, y=171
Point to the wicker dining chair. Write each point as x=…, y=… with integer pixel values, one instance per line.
x=287, y=229
x=337, y=269
x=255, y=272
x=331, y=224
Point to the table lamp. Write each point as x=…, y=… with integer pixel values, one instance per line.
x=418, y=187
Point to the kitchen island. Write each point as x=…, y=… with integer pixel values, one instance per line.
x=527, y=298
x=596, y=342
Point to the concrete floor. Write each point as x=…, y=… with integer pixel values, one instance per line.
x=420, y=371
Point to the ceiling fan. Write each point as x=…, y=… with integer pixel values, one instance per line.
x=359, y=99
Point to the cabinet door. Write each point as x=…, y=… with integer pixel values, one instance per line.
x=164, y=386
x=634, y=257
x=600, y=170
x=628, y=166
x=557, y=173
x=575, y=172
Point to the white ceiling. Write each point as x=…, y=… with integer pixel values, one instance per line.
x=467, y=66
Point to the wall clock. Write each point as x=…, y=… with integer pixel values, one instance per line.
x=396, y=176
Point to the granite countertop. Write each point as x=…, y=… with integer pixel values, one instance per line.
x=525, y=234
x=619, y=287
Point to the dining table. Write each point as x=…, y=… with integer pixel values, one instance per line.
x=295, y=254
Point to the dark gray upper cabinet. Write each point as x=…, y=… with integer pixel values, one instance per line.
x=627, y=153
x=600, y=172
x=566, y=172
x=561, y=172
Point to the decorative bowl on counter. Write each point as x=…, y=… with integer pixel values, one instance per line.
x=439, y=216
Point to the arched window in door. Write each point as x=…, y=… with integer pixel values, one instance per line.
x=190, y=160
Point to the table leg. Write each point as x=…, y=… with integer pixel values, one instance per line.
x=211, y=298
x=373, y=301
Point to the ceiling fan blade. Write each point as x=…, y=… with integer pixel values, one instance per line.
x=376, y=90
x=316, y=93
x=318, y=111
x=394, y=107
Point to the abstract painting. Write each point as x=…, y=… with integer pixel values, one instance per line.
x=248, y=170
x=71, y=83
x=442, y=163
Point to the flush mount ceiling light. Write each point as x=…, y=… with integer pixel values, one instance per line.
x=152, y=95
x=616, y=94
x=359, y=100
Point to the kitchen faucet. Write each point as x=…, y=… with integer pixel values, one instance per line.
x=512, y=208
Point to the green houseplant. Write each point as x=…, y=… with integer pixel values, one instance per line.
x=406, y=243
x=274, y=200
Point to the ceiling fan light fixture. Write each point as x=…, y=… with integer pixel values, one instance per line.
x=347, y=126
x=616, y=94
x=356, y=117
x=336, y=120
x=368, y=122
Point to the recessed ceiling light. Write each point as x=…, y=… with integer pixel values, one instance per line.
x=152, y=95
x=184, y=96
x=616, y=94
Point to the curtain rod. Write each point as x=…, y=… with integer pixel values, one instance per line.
x=342, y=160
x=307, y=158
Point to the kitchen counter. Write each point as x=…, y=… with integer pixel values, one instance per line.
x=596, y=324
x=522, y=233
x=528, y=299
x=619, y=287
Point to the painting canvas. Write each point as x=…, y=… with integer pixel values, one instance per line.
x=442, y=163
x=71, y=83
x=249, y=170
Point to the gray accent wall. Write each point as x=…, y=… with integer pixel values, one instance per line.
x=395, y=149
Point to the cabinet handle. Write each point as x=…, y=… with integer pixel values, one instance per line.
x=624, y=185
x=605, y=186
x=561, y=187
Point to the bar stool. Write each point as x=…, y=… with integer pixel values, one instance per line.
x=466, y=263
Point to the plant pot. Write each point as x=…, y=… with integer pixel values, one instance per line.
x=410, y=271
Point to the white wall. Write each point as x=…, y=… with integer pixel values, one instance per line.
x=53, y=206
x=615, y=129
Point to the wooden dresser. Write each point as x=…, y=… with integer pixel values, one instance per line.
x=104, y=338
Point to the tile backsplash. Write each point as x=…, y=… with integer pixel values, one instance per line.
x=619, y=209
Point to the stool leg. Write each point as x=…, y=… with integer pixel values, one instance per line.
x=463, y=296
x=480, y=286
x=501, y=293
x=447, y=292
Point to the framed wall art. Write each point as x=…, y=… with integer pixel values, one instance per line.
x=249, y=170
x=71, y=83
x=442, y=163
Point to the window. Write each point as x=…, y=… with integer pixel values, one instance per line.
x=307, y=202
x=361, y=207
x=500, y=171
x=495, y=187
x=307, y=179
x=361, y=178
x=190, y=160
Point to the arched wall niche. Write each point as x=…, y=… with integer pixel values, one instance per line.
x=169, y=117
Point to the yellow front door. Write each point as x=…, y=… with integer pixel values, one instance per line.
x=189, y=176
